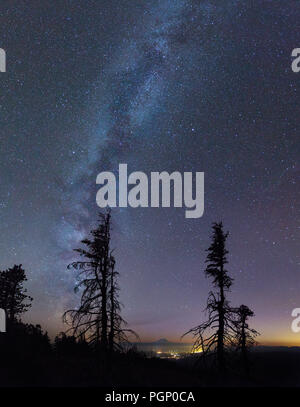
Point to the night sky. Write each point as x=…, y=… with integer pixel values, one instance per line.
x=168, y=85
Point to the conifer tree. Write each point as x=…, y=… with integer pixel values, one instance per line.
x=245, y=336
x=213, y=335
x=13, y=296
x=97, y=318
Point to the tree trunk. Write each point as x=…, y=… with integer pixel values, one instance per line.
x=104, y=283
x=112, y=314
x=220, y=345
x=103, y=340
x=244, y=350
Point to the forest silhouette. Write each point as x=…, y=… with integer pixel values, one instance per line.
x=98, y=348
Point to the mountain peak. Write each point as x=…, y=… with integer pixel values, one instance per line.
x=162, y=340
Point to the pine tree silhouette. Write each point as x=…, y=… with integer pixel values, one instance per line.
x=212, y=335
x=13, y=296
x=245, y=336
x=98, y=318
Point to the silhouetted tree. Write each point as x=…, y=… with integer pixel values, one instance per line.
x=118, y=333
x=69, y=345
x=212, y=335
x=91, y=318
x=245, y=336
x=13, y=296
x=64, y=344
x=98, y=317
x=24, y=341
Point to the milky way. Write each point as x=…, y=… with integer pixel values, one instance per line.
x=162, y=86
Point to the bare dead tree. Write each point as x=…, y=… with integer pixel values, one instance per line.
x=90, y=318
x=218, y=331
x=118, y=331
x=98, y=317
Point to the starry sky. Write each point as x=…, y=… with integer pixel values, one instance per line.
x=168, y=85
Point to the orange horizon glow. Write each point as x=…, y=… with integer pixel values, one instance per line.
x=264, y=342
